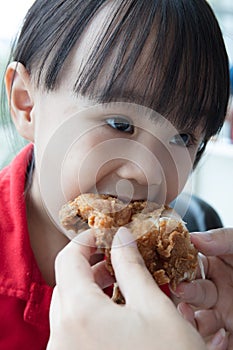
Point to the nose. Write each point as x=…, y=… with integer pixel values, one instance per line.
x=141, y=162
x=145, y=173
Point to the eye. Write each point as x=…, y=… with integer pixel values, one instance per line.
x=121, y=124
x=184, y=140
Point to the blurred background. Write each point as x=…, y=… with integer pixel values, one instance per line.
x=12, y=13
x=213, y=178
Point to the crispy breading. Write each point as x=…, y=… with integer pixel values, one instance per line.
x=162, y=238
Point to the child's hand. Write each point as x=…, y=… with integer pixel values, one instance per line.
x=214, y=295
x=83, y=317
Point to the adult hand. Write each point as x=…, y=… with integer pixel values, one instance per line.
x=213, y=296
x=83, y=317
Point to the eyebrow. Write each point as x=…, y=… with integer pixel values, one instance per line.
x=125, y=95
x=129, y=96
x=146, y=101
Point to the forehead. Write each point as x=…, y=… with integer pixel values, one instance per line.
x=126, y=70
x=144, y=59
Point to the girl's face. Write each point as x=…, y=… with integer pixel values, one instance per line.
x=120, y=148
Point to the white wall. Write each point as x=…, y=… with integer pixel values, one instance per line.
x=12, y=13
x=224, y=13
x=213, y=179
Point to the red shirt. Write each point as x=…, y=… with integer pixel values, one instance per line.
x=24, y=296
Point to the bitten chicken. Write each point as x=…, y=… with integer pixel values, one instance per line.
x=162, y=237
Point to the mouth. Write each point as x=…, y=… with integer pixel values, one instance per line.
x=101, y=205
x=137, y=197
x=122, y=197
x=129, y=190
x=126, y=196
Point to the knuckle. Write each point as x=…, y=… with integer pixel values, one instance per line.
x=208, y=294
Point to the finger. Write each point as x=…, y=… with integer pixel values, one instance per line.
x=72, y=263
x=219, y=341
x=130, y=270
x=102, y=276
x=187, y=313
x=230, y=341
x=208, y=322
x=214, y=242
x=199, y=293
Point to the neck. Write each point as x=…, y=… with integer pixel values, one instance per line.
x=46, y=240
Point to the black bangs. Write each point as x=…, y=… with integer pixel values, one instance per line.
x=166, y=55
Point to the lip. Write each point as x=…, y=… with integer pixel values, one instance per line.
x=129, y=190
x=121, y=196
x=126, y=199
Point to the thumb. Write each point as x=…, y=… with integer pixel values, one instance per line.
x=134, y=279
x=214, y=242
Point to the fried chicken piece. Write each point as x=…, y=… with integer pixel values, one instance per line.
x=162, y=238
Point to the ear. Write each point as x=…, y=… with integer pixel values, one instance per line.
x=19, y=92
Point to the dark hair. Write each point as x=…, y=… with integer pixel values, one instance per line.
x=185, y=76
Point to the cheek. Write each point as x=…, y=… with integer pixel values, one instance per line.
x=77, y=171
x=85, y=163
x=70, y=174
x=62, y=159
x=177, y=167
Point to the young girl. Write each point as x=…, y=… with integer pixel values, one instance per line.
x=116, y=97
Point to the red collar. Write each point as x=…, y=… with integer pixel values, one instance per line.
x=20, y=276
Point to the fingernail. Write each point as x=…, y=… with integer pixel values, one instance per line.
x=179, y=290
x=219, y=337
x=85, y=238
x=123, y=237
x=180, y=309
x=174, y=291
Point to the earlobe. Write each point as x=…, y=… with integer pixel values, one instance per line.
x=19, y=92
